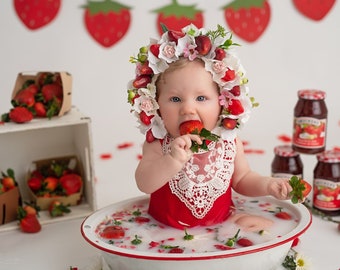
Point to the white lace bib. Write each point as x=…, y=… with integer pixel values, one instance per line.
x=205, y=177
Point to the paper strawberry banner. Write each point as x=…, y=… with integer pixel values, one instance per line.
x=107, y=21
x=176, y=16
x=314, y=9
x=247, y=19
x=36, y=14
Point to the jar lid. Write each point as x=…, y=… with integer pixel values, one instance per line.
x=312, y=94
x=329, y=156
x=285, y=151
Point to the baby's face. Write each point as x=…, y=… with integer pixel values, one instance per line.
x=188, y=93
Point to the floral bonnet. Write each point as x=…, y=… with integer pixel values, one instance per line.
x=213, y=48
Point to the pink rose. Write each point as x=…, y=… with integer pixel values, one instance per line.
x=146, y=105
x=218, y=66
x=169, y=51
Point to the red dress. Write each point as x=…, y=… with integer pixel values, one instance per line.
x=200, y=194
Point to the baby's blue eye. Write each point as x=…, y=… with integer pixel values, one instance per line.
x=201, y=98
x=175, y=99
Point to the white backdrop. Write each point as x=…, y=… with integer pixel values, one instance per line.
x=293, y=53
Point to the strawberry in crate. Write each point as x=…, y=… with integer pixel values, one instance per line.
x=58, y=209
x=36, y=96
x=55, y=179
x=7, y=181
x=9, y=196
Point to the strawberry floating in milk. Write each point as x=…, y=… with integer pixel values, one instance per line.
x=127, y=243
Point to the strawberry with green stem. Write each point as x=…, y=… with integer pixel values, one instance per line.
x=45, y=78
x=229, y=123
x=176, y=16
x=107, y=21
x=18, y=115
x=8, y=180
x=50, y=183
x=301, y=189
x=24, y=97
x=71, y=183
x=57, y=209
x=35, y=183
x=236, y=239
x=39, y=109
x=50, y=91
x=28, y=221
x=31, y=208
x=196, y=127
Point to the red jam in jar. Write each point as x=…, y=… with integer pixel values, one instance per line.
x=327, y=183
x=286, y=162
x=310, y=122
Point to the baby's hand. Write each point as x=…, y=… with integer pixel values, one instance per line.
x=180, y=147
x=279, y=188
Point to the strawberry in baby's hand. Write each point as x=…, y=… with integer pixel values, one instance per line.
x=301, y=189
x=196, y=127
x=191, y=127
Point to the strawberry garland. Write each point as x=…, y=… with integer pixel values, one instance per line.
x=213, y=47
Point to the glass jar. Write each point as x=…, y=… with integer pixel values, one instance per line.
x=326, y=196
x=286, y=162
x=310, y=122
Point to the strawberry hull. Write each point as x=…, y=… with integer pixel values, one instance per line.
x=9, y=202
x=44, y=202
x=66, y=83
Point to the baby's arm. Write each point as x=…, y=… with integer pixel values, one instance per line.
x=250, y=183
x=155, y=169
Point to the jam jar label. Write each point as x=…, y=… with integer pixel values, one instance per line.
x=285, y=175
x=326, y=195
x=309, y=132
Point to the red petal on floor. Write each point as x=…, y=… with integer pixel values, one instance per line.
x=125, y=145
x=105, y=156
x=254, y=151
x=336, y=148
x=284, y=138
x=245, y=143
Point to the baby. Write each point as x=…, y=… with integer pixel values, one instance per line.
x=192, y=78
